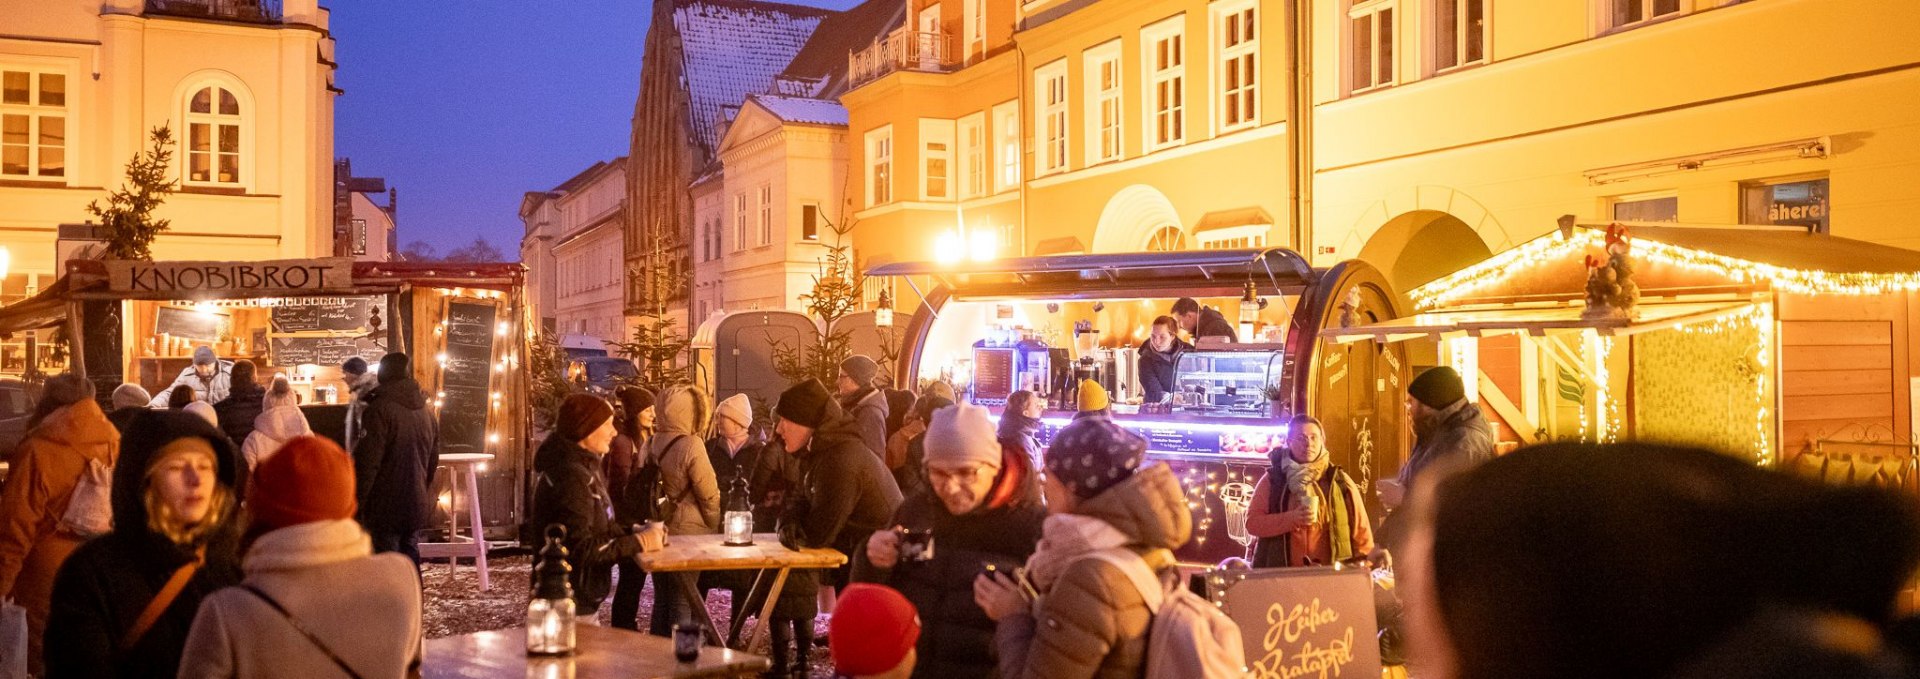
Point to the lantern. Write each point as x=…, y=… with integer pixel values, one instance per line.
x=883, y=314
x=738, y=520
x=1249, y=312
x=550, y=610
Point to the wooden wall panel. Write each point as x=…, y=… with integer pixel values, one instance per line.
x=1837, y=377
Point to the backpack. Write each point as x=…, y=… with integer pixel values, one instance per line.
x=1189, y=638
x=89, y=511
x=644, y=491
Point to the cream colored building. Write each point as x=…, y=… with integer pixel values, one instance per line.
x=573, y=249
x=246, y=87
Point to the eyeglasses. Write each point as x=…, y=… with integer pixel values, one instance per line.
x=940, y=477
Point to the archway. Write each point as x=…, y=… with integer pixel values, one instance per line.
x=1133, y=218
x=1418, y=247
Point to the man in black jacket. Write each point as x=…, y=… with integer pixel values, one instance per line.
x=1203, y=321
x=394, y=461
x=243, y=402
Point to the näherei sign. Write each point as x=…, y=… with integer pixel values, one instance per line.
x=202, y=280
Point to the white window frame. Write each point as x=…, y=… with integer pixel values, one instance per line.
x=1613, y=203
x=1371, y=12
x=1105, y=73
x=1612, y=19
x=36, y=115
x=1050, y=99
x=1236, y=97
x=973, y=22
x=1458, y=47
x=1173, y=79
x=936, y=160
x=766, y=214
x=1006, y=145
x=739, y=221
x=245, y=121
x=971, y=134
x=879, y=174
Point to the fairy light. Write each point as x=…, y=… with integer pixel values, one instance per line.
x=1757, y=318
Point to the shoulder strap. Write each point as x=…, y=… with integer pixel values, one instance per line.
x=275, y=605
x=1134, y=567
x=158, y=605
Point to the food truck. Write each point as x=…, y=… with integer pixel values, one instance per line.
x=463, y=325
x=1043, y=324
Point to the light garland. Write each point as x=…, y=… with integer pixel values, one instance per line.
x=1759, y=318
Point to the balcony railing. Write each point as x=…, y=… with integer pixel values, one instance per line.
x=900, y=51
x=251, y=11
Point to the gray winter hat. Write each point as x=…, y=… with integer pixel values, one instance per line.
x=203, y=355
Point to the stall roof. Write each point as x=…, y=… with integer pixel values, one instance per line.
x=1788, y=248
x=1535, y=321
x=1197, y=273
x=45, y=309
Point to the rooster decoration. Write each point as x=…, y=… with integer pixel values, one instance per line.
x=1611, y=292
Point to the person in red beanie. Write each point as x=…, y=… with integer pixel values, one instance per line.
x=873, y=632
x=316, y=600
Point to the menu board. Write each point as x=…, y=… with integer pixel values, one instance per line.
x=292, y=351
x=336, y=314
x=1303, y=622
x=992, y=375
x=189, y=323
x=465, y=375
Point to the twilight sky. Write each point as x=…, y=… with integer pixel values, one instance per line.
x=465, y=106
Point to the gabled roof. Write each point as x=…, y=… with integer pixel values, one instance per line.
x=802, y=110
x=732, y=48
x=821, y=66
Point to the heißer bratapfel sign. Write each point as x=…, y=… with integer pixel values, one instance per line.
x=200, y=280
x=1302, y=623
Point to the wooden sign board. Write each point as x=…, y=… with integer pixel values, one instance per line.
x=326, y=351
x=1302, y=623
x=207, y=280
x=466, y=375
x=190, y=323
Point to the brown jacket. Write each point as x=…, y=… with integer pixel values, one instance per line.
x=1093, y=622
x=47, y=467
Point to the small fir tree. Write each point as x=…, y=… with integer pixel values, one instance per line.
x=657, y=344
x=838, y=290
x=128, y=217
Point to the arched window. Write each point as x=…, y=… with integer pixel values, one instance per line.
x=213, y=139
x=1167, y=239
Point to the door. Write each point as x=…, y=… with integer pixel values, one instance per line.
x=1355, y=389
x=927, y=42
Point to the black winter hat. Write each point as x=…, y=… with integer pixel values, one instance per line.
x=146, y=434
x=395, y=366
x=355, y=366
x=805, y=404
x=1437, y=387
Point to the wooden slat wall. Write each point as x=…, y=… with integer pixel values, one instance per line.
x=1835, y=375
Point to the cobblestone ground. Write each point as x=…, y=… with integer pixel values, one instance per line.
x=455, y=605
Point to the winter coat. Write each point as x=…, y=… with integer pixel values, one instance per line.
x=108, y=582
x=121, y=417
x=623, y=455
x=868, y=408
x=1093, y=622
x=845, y=493
x=687, y=482
x=770, y=473
x=1458, y=434
x=899, y=447
x=1311, y=546
x=237, y=413
x=956, y=637
x=357, y=405
x=328, y=579
x=46, y=467
x=1018, y=431
x=1159, y=371
x=394, y=462
x=212, y=390
x=1214, y=324
x=569, y=489
x=272, y=429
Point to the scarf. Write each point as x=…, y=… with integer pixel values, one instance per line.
x=1303, y=481
x=1064, y=538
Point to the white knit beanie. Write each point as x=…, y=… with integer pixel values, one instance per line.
x=736, y=408
x=963, y=434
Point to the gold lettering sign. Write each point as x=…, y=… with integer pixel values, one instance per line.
x=201, y=280
x=1304, y=623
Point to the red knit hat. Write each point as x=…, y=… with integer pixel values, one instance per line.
x=872, y=629
x=309, y=479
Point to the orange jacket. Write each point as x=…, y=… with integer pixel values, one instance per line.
x=46, y=468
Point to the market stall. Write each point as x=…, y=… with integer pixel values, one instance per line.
x=1042, y=324
x=1763, y=342
x=140, y=322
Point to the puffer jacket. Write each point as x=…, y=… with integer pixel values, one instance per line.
x=570, y=489
x=104, y=586
x=868, y=408
x=328, y=578
x=686, y=475
x=46, y=468
x=394, y=461
x=845, y=493
x=239, y=410
x=272, y=429
x=1092, y=622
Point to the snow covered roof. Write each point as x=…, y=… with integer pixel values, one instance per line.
x=802, y=110
x=820, y=69
x=733, y=48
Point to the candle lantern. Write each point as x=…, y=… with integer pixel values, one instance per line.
x=550, y=611
x=883, y=314
x=1249, y=312
x=738, y=519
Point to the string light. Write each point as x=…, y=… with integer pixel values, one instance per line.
x=1757, y=318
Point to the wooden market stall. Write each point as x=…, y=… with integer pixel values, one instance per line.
x=1779, y=345
x=463, y=325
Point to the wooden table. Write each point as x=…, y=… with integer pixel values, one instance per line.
x=599, y=652
x=696, y=553
x=474, y=546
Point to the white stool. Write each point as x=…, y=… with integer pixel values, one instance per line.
x=473, y=546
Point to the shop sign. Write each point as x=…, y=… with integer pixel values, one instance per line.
x=1302, y=623
x=216, y=279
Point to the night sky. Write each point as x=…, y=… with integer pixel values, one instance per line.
x=465, y=106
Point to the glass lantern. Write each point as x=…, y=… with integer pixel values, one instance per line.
x=550, y=610
x=1249, y=312
x=738, y=520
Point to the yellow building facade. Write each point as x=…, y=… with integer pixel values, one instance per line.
x=246, y=88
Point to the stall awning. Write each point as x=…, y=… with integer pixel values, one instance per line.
x=1535, y=321
x=46, y=309
x=1196, y=273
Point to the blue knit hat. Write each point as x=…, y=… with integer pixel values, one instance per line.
x=1094, y=454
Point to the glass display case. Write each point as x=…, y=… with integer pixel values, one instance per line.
x=1227, y=383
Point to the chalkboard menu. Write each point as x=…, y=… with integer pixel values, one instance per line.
x=292, y=351
x=465, y=376
x=189, y=323
x=338, y=314
x=1302, y=622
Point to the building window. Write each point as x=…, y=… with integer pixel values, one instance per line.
x=1167, y=239
x=1370, y=41
x=880, y=166
x=1459, y=33
x=1050, y=117
x=1164, y=60
x=973, y=156
x=1647, y=208
x=1800, y=202
x=33, y=124
x=766, y=214
x=213, y=136
x=1103, y=103
x=974, y=29
x=1006, y=135
x=1237, y=38
x=1622, y=13
x=936, y=159
x=739, y=221
x=810, y=222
